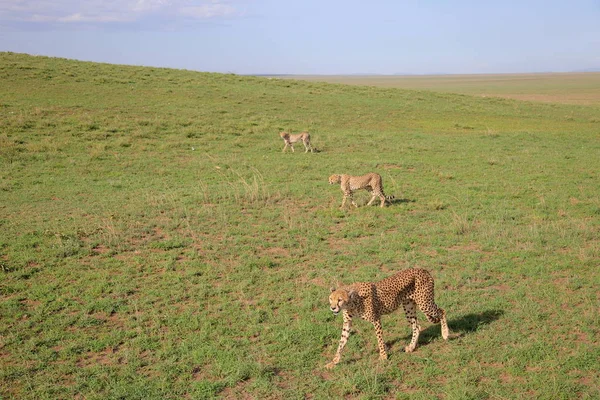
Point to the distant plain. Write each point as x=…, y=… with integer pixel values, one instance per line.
x=568, y=88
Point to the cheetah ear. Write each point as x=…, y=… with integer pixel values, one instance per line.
x=352, y=294
x=332, y=289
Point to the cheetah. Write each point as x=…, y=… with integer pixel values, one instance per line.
x=289, y=139
x=410, y=288
x=370, y=182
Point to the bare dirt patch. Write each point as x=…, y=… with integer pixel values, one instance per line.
x=107, y=356
x=100, y=249
x=508, y=378
x=389, y=166
x=276, y=252
x=500, y=288
x=315, y=281
x=31, y=304
x=467, y=247
x=236, y=392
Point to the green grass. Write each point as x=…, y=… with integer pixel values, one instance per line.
x=156, y=243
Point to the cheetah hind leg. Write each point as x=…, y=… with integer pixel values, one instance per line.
x=410, y=309
x=373, y=197
x=439, y=315
x=307, y=147
x=351, y=201
x=444, y=323
x=382, y=198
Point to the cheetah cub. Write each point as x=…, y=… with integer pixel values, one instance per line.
x=371, y=182
x=370, y=300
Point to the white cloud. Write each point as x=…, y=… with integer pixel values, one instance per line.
x=207, y=11
x=103, y=11
x=150, y=5
x=100, y=17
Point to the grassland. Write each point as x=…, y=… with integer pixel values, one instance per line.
x=156, y=243
x=567, y=88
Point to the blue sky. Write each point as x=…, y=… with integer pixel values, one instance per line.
x=311, y=36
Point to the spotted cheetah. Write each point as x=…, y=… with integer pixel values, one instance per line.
x=370, y=300
x=289, y=139
x=371, y=182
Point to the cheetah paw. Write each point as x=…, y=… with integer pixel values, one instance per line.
x=330, y=365
x=409, y=349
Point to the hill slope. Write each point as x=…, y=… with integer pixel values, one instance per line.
x=157, y=244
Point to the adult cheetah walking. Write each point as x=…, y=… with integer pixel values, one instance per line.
x=371, y=182
x=410, y=288
x=290, y=138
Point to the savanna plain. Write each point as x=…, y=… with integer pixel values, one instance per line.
x=155, y=243
x=566, y=88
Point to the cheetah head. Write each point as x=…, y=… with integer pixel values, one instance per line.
x=335, y=178
x=339, y=299
x=283, y=135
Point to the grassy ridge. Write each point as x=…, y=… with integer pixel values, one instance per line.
x=157, y=244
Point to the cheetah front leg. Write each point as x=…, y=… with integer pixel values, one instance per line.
x=410, y=309
x=343, y=201
x=348, y=195
x=380, y=343
x=344, y=339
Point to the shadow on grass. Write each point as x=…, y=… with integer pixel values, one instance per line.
x=400, y=201
x=458, y=327
x=388, y=202
x=471, y=322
